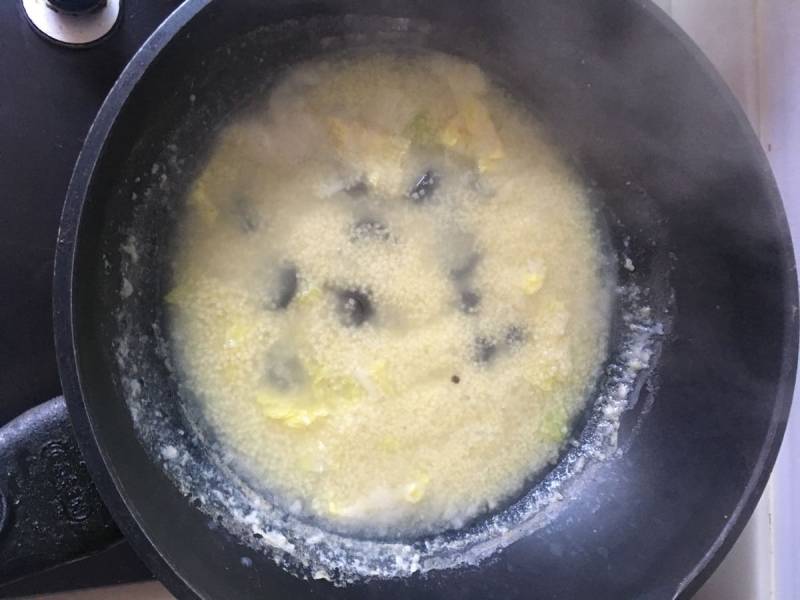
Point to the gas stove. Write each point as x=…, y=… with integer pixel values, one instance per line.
x=49, y=95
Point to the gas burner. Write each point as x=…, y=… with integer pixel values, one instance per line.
x=72, y=23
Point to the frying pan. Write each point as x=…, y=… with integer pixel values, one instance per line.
x=681, y=187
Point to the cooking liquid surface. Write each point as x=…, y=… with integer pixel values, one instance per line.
x=388, y=294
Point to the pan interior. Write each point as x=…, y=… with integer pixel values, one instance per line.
x=160, y=168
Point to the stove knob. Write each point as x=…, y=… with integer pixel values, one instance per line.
x=73, y=23
x=76, y=7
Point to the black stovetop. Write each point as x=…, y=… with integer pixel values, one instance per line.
x=48, y=98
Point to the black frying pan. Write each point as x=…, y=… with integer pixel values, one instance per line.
x=680, y=182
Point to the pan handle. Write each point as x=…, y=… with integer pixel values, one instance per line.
x=50, y=511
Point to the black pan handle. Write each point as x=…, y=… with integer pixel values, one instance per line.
x=50, y=511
